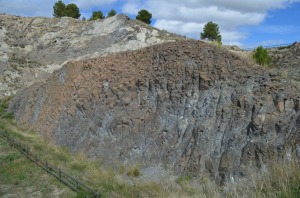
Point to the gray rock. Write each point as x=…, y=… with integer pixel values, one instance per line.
x=32, y=48
x=187, y=106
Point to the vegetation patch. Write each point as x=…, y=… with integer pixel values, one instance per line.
x=262, y=57
x=17, y=173
x=134, y=172
x=83, y=194
x=3, y=109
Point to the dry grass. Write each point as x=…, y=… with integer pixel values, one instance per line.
x=121, y=181
x=281, y=180
x=19, y=177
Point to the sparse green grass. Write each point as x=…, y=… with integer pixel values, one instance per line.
x=83, y=194
x=16, y=172
x=3, y=107
x=183, y=179
x=282, y=180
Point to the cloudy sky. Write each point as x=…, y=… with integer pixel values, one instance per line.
x=247, y=23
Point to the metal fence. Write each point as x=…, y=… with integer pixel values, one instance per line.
x=269, y=46
x=64, y=178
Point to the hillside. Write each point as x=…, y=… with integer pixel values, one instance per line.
x=20, y=178
x=286, y=60
x=187, y=106
x=32, y=48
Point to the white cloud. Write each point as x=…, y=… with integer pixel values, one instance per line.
x=132, y=7
x=178, y=26
x=45, y=7
x=244, y=6
x=27, y=8
x=193, y=30
x=189, y=16
x=233, y=36
x=89, y=4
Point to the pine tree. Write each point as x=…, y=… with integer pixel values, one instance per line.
x=145, y=16
x=211, y=32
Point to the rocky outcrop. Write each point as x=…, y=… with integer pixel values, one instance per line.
x=286, y=60
x=187, y=106
x=32, y=48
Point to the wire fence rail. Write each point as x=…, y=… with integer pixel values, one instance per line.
x=269, y=46
x=63, y=177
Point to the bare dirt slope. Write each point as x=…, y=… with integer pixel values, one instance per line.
x=187, y=106
x=32, y=48
x=286, y=60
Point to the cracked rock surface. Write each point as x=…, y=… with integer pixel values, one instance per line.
x=31, y=48
x=188, y=106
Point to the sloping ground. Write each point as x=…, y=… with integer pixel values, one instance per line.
x=19, y=177
x=186, y=106
x=32, y=48
x=287, y=60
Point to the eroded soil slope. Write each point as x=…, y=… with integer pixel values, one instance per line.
x=287, y=60
x=31, y=48
x=186, y=106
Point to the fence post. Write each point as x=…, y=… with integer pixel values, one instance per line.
x=24, y=149
x=97, y=195
x=12, y=141
x=59, y=173
x=76, y=185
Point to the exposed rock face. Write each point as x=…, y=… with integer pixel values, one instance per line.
x=188, y=106
x=32, y=48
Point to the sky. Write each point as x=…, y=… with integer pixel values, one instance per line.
x=246, y=23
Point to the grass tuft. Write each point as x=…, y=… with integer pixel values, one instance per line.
x=134, y=172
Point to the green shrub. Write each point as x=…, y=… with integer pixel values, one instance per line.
x=261, y=57
x=61, y=10
x=183, y=179
x=97, y=15
x=134, y=172
x=111, y=13
x=11, y=157
x=3, y=107
x=211, y=32
x=145, y=16
x=8, y=115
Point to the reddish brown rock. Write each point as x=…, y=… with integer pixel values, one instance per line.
x=188, y=106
